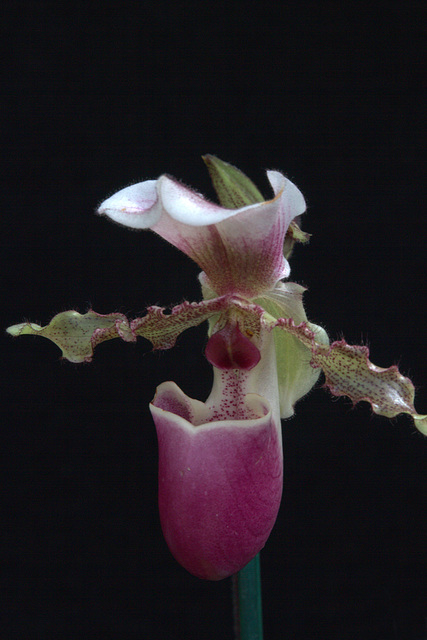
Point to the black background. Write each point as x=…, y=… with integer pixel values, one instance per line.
x=101, y=95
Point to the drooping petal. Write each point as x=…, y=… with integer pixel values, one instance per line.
x=349, y=372
x=162, y=329
x=240, y=250
x=220, y=469
x=77, y=335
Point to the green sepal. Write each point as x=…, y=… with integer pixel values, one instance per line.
x=233, y=187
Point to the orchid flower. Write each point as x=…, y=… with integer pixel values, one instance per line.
x=220, y=461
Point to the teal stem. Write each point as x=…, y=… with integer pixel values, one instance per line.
x=247, y=602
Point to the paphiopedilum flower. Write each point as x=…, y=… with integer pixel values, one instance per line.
x=220, y=466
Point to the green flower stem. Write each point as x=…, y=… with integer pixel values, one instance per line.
x=247, y=603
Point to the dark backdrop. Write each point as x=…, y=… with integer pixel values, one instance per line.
x=101, y=95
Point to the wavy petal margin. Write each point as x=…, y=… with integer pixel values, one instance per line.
x=349, y=372
x=347, y=368
x=77, y=334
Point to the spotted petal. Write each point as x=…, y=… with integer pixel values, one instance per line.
x=78, y=334
x=349, y=372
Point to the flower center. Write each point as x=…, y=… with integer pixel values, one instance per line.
x=230, y=349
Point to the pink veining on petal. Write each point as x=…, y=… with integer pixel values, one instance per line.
x=240, y=250
x=220, y=483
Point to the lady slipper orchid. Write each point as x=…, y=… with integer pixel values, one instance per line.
x=220, y=462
